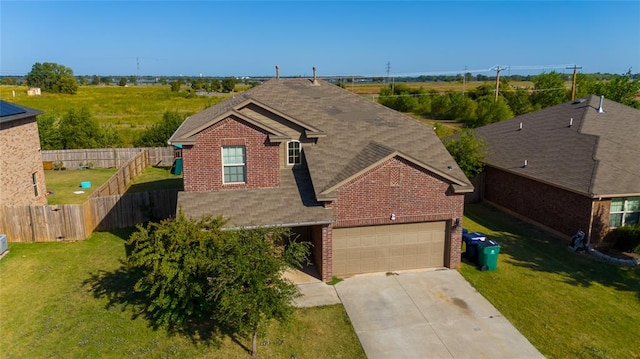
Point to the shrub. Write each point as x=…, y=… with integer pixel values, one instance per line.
x=627, y=238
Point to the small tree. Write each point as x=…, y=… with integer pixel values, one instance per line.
x=158, y=134
x=228, y=84
x=467, y=151
x=549, y=90
x=193, y=272
x=122, y=82
x=77, y=129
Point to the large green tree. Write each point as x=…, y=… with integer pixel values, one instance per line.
x=193, y=273
x=158, y=134
x=549, y=90
x=228, y=84
x=468, y=151
x=620, y=88
x=52, y=77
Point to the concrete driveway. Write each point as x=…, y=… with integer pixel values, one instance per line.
x=432, y=314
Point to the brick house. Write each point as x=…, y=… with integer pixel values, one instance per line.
x=570, y=167
x=21, y=172
x=372, y=189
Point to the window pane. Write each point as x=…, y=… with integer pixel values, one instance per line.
x=633, y=204
x=617, y=205
x=233, y=155
x=293, y=156
x=233, y=174
x=631, y=218
x=615, y=220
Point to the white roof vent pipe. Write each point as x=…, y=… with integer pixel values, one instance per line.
x=315, y=78
x=600, y=109
x=277, y=72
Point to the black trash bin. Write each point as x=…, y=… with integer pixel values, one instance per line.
x=471, y=240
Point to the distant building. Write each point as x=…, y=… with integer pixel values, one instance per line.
x=21, y=173
x=34, y=91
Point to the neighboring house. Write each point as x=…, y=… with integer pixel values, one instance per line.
x=570, y=167
x=372, y=189
x=21, y=172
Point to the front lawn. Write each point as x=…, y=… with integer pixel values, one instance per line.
x=568, y=305
x=66, y=300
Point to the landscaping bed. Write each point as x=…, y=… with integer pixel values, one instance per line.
x=568, y=304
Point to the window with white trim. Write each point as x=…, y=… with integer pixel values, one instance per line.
x=293, y=152
x=234, y=165
x=624, y=211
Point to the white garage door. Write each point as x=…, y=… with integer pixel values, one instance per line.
x=388, y=248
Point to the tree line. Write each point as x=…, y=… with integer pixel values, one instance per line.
x=480, y=107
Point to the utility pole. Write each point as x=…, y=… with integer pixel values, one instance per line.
x=464, y=79
x=497, y=82
x=388, y=69
x=573, y=82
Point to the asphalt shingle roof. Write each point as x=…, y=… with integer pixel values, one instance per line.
x=354, y=126
x=597, y=156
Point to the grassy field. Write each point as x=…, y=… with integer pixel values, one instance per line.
x=73, y=300
x=129, y=109
x=374, y=88
x=63, y=184
x=568, y=305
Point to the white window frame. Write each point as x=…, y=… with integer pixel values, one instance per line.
x=299, y=153
x=626, y=210
x=243, y=164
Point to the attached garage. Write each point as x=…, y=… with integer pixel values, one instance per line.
x=388, y=247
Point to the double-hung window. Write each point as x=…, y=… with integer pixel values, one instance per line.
x=624, y=211
x=293, y=153
x=234, y=164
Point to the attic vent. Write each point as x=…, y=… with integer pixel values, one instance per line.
x=580, y=100
x=600, y=110
x=571, y=122
x=525, y=164
x=520, y=128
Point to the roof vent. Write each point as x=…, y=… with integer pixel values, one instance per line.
x=520, y=128
x=525, y=164
x=277, y=72
x=571, y=122
x=578, y=101
x=600, y=109
x=315, y=79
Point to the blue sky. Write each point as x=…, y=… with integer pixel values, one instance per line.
x=242, y=38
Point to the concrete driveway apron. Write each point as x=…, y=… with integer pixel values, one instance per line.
x=430, y=314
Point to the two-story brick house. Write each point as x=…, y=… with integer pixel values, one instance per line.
x=21, y=172
x=372, y=189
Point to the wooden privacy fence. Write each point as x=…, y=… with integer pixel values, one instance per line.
x=76, y=222
x=119, y=182
x=108, y=157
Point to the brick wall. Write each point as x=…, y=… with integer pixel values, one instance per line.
x=203, y=161
x=558, y=209
x=20, y=157
x=401, y=188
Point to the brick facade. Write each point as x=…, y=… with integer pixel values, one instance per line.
x=560, y=210
x=410, y=193
x=203, y=161
x=20, y=158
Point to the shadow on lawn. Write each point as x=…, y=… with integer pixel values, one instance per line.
x=533, y=248
x=117, y=287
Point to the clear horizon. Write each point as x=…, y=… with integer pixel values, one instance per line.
x=351, y=38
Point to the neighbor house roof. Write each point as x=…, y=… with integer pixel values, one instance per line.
x=573, y=146
x=12, y=112
x=353, y=133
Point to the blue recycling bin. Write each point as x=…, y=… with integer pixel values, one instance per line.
x=471, y=240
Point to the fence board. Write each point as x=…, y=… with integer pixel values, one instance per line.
x=109, y=157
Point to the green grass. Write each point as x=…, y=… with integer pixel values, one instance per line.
x=71, y=300
x=64, y=183
x=568, y=305
x=129, y=109
x=155, y=179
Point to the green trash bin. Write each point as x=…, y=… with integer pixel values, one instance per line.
x=488, y=254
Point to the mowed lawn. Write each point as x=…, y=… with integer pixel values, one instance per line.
x=64, y=186
x=568, y=305
x=73, y=300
